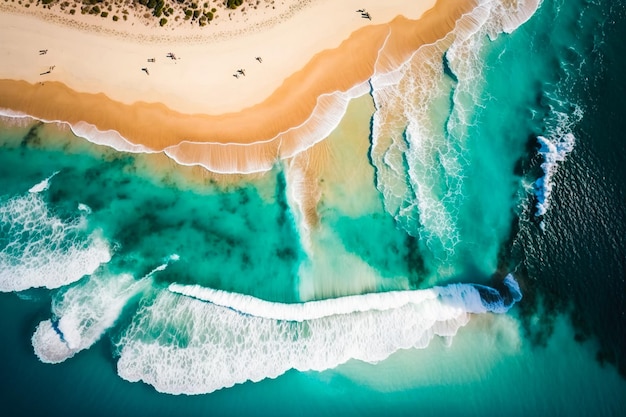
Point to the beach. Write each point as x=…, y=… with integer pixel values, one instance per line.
x=312, y=207
x=279, y=107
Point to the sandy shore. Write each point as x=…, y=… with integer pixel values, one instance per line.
x=201, y=79
x=193, y=108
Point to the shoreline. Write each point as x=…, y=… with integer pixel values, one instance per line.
x=274, y=126
x=201, y=79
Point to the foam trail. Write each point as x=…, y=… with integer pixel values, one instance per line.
x=183, y=345
x=84, y=312
x=553, y=152
x=110, y=138
x=312, y=310
x=38, y=249
x=84, y=208
x=43, y=185
x=555, y=144
x=87, y=131
x=419, y=129
x=261, y=156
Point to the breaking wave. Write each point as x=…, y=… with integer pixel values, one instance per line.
x=87, y=131
x=82, y=313
x=39, y=249
x=419, y=129
x=182, y=345
x=553, y=152
x=555, y=145
x=43, y=185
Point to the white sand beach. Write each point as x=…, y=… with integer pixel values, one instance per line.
x=201, y=79
x=192, y=107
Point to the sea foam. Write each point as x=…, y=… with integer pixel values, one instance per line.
x=182, y=345
x=39, y=249
x=553, y=151
x=261, y=156
x=43, y=185
x=419, y=129
x=82, y=313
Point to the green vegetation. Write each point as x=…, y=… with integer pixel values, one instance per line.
x=155, y=5
x=200, y=12
x=233, y=4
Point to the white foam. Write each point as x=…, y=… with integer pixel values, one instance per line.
x=182, y=345
x=110, y=138
x=82, y=314
x=89, y=132
x=84, y=207
x=13, y=114
x=324, y=118
x=312, y=310
x=43, y=185
x=420, y=125
x=553, y=151
x=172, y=258
x=260, y=157
x=41, y=250
x=48, y=345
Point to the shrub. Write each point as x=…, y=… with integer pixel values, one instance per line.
x=163, y=21
x=233, y=4
x=104, y=14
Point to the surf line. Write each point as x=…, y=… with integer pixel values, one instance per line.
x=472, y=298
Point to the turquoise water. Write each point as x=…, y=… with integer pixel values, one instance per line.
x=507, y=160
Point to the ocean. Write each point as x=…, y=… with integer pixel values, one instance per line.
x=468, y=259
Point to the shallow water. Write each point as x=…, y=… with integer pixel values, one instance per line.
x=443, y=180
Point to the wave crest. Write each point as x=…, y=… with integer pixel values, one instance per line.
x=39, y=249
x=420, y=127
x=182, y=345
